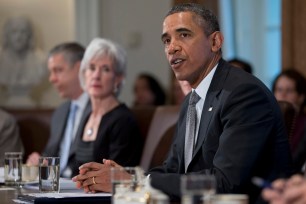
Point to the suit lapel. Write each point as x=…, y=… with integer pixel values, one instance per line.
x=211, y=102
x=61, y=124
x=80, y=129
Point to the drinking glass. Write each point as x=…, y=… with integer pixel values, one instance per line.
x=197, y=188
x=123, y=178
x=49, y=171
x=124, y=181
x=230, y=199
x=29, y=173
x=12, y=168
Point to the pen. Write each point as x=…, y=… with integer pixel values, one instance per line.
x=260, y=182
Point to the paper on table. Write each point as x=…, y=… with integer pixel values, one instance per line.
x=65, y=184
x=1, y=174
x=69, y=195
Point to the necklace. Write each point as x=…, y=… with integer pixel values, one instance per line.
x=89, y=132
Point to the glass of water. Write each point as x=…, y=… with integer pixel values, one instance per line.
x=49, y=173
x=197, y=188
x=13, y=168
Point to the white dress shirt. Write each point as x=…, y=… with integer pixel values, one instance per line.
x=201, y=90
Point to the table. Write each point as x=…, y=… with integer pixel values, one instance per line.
x=7, y=194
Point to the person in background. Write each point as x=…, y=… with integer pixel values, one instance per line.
x=286, y=191
x=237, y=131
x=289, y=86
x=148, y=91
x=64, y=64
x=178, y=91
x=110, y=130
x=241, y=64
x=10, y=140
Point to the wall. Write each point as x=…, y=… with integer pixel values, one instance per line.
x=135, y=24
x=53, y=23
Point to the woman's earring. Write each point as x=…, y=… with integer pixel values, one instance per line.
x=116, y=89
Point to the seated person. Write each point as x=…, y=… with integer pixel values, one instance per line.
x=110, y=130
x=241, y=64
x=64, y=64
x=10, y=140
x=178, y=91
x=283, y=191
x=289, y=86
x=148, y=92
x=235, y=130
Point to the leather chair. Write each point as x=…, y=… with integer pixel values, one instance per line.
x=143, y=117
x=34, y=128
x=160, y=136
x=289, y=115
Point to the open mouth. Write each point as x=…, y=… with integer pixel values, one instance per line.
x=176, y=62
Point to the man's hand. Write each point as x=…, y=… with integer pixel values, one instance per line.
x=284, y=192
x=95, y=177
x=33, y=159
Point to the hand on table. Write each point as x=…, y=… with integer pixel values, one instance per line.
x=33, y=158
x=283, y=191
x=95, y=177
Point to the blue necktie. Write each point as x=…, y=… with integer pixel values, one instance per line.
x=191, y=124
x=66, y=143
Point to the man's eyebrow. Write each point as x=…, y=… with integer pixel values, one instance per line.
x=178, y=30
x=164, y=35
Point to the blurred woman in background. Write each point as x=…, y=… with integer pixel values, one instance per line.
x=110, y=130
x=289, y=86
x=148, y=91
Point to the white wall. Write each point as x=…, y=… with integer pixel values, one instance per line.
x=53, y=22
x=135, y=24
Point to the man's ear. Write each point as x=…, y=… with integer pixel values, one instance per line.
x=119, y=80
x=77, y=65
x=217, y=41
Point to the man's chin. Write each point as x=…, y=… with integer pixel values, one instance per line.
x=179, y=77
x=63, y=95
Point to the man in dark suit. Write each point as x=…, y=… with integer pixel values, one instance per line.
x=239, y=134
x=64, y=64
x=10, y=140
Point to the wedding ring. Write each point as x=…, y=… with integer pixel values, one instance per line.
x=93, y=180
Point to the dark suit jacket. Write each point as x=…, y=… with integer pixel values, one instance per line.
x=242, y=137
x=10, y=140
x=58, y=125
x=118, y=138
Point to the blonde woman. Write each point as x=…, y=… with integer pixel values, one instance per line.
x=110, y=130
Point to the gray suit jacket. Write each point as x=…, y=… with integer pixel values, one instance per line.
x=241, y=135
x=10, y=140
x=58, y=125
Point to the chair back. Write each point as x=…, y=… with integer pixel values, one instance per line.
x=34, y=128
x=160, y=136
x=289, y=116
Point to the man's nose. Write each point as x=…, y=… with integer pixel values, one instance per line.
x=52, y=78
x=173, y=47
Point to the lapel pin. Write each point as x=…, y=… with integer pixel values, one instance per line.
x=210, y=109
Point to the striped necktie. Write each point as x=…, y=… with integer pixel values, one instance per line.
x=191, y=124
